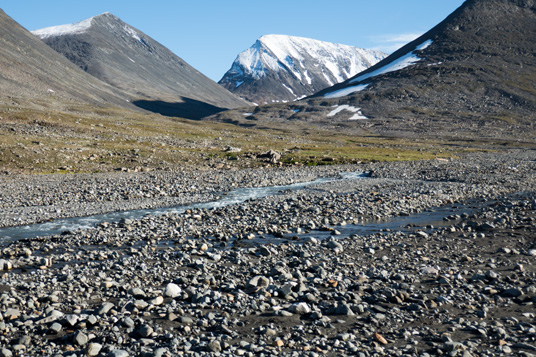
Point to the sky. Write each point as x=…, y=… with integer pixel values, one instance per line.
x=209, y=34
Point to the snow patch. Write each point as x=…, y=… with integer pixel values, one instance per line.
x=403, y=62
x=358, y=116
x=69, y=29
x=346, y=91
x=339, y=108
x=239, y=83
x=133, y=33
x=289, y=89
x=307, y=78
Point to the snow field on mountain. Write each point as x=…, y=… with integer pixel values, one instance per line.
x=346, y=91
x=403, y=62
x=288, y=53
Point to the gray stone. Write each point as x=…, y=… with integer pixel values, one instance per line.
x=105, y=308
x=92, y=320
x=157, y=301
x=51, y=317
x=300, y=308
x=71, y=319
x=525, y=346
x=286, y=290
x=4, y=352
x=344, y=309
x=12, y=314
x=258, y=282
x=186, y=320
x=118, y=353
x=93, y=349
x=161, y=352
x=335, y=246
x=145, y=331
x=513, y=292
x=263, y=251
x=128, y=322
x=214, y=346
x=172, y=290
x=141, y=304
x=80, y=339
x=137, y=293
x=25, y=340
x=454, y=346
x=56, y=327
x=429, y=270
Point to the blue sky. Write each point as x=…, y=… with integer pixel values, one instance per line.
x=209, y=34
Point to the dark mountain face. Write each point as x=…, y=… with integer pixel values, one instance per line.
x=126, y=58
x=32, y=71
x=279, y=68
x=474, y=72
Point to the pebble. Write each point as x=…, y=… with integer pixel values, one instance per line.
x=118, y=353
x=81, y=339
x=93, y=349
x=105, y=308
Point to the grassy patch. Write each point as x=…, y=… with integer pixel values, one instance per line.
x=86, y=139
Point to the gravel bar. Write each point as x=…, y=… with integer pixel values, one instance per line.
x=203, y=283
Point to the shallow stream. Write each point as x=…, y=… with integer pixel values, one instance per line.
x=432, y=217
x=231, y=198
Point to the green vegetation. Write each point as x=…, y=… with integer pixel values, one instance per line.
x=103, y=140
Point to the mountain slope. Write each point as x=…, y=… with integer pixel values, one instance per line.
x=474, y=73
x=33, y=72
x=477, y=65
x=285, y=68
x=126, y=58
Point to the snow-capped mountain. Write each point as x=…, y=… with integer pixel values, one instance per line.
x=285, y=68
x=472, y=74
x=32, y=71
x=128, y=59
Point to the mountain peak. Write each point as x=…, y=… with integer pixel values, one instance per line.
x=32, y=70
x=126, y=58
x=286, y=68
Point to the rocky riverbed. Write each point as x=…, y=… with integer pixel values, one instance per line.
x=210, y=282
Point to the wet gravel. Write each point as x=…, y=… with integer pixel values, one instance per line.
x=204, y=282
x=26, y=199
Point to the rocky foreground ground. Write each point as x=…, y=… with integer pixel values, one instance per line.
x=213, y=282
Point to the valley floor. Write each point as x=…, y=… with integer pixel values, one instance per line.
x=217, y=282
